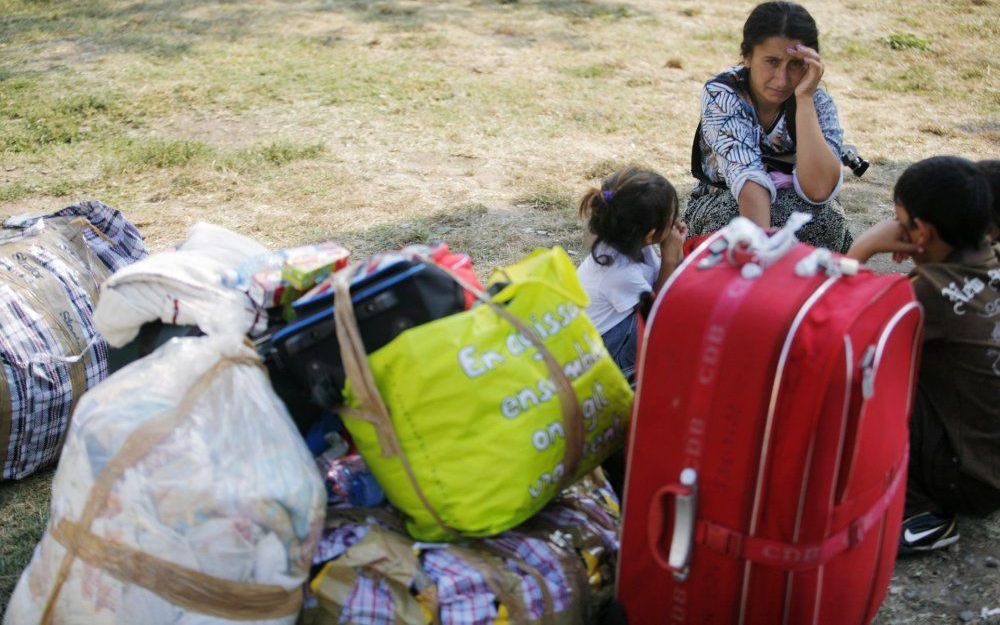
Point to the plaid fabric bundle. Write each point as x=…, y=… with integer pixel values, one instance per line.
x=51, y=268
x=121, y=244
x=556, y=568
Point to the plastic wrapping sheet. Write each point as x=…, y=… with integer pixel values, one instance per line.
x=229, y=491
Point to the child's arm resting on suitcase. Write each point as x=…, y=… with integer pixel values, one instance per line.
x=671, y=252
x=887, y=236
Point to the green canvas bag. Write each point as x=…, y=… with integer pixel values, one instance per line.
x=473, y=422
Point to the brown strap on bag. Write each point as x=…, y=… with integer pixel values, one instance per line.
x=548, y=606
x=373, y=407
x=501, y=582
x=180, y=585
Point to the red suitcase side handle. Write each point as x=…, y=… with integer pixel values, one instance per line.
x=674, y=554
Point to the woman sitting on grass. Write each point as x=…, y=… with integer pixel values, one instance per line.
x=769, y=141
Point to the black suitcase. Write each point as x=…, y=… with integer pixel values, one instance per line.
x=304, y=357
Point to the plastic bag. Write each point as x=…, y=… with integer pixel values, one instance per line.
x=186, y=495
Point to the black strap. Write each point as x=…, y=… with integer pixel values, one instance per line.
x=697, y=169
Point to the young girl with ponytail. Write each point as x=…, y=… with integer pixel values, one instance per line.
x=637, y=246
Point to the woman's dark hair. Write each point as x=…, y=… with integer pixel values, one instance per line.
x=951, y=194
x=630, y=203
x=992, y=171
x=779, y=19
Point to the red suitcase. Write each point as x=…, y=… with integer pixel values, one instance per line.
x=767, y=456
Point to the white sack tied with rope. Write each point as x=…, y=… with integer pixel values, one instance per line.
x=185, y=495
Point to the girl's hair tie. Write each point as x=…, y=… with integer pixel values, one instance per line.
x=606, y=195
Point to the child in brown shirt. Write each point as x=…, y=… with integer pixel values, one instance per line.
x=943, y=210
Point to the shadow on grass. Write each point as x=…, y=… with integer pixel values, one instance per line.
x=160, y=29
x=54, y=36
x=573, y=9
x=397, y=15
x=493, y=237
x=412, y=15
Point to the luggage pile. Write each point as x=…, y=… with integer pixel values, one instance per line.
x=311, y=423
x=299, y=438
x=423, y=378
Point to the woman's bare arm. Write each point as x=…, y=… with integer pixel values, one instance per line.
x=755, y=204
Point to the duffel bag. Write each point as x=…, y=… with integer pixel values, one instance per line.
x=51, y=267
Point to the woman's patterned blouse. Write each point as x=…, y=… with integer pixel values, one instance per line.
x=733, y=140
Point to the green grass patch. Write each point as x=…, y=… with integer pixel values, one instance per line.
x=432, y=42
x=159, y=153
x=590, y=72
x=61, y=188
x=31, y=122
x=282, y=153
x=916, y=79
x=24, y=508
x=133, y=155
x=399, y=17
x=461, y=227
x=274, y=154
x=855, y=50
x=605, y=167
x=15, y=191
x=588, y=9
x=154, y=45
x=906, y=41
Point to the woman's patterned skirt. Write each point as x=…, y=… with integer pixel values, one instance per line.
x=710, y=211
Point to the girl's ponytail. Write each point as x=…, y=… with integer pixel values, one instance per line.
x=630, y=204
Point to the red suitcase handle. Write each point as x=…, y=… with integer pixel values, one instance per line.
x=674, y=555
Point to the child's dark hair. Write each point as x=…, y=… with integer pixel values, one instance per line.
x=630, y=203
x=951, y=194
x=991, y=169
x=779, y=19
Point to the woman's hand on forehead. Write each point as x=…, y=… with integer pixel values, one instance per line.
x=813, y=69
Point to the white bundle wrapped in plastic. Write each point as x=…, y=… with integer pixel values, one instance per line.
x=184, y=495
x=179, y=287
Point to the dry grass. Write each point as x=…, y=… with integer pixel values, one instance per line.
x=392, y=111
x=377, y=122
